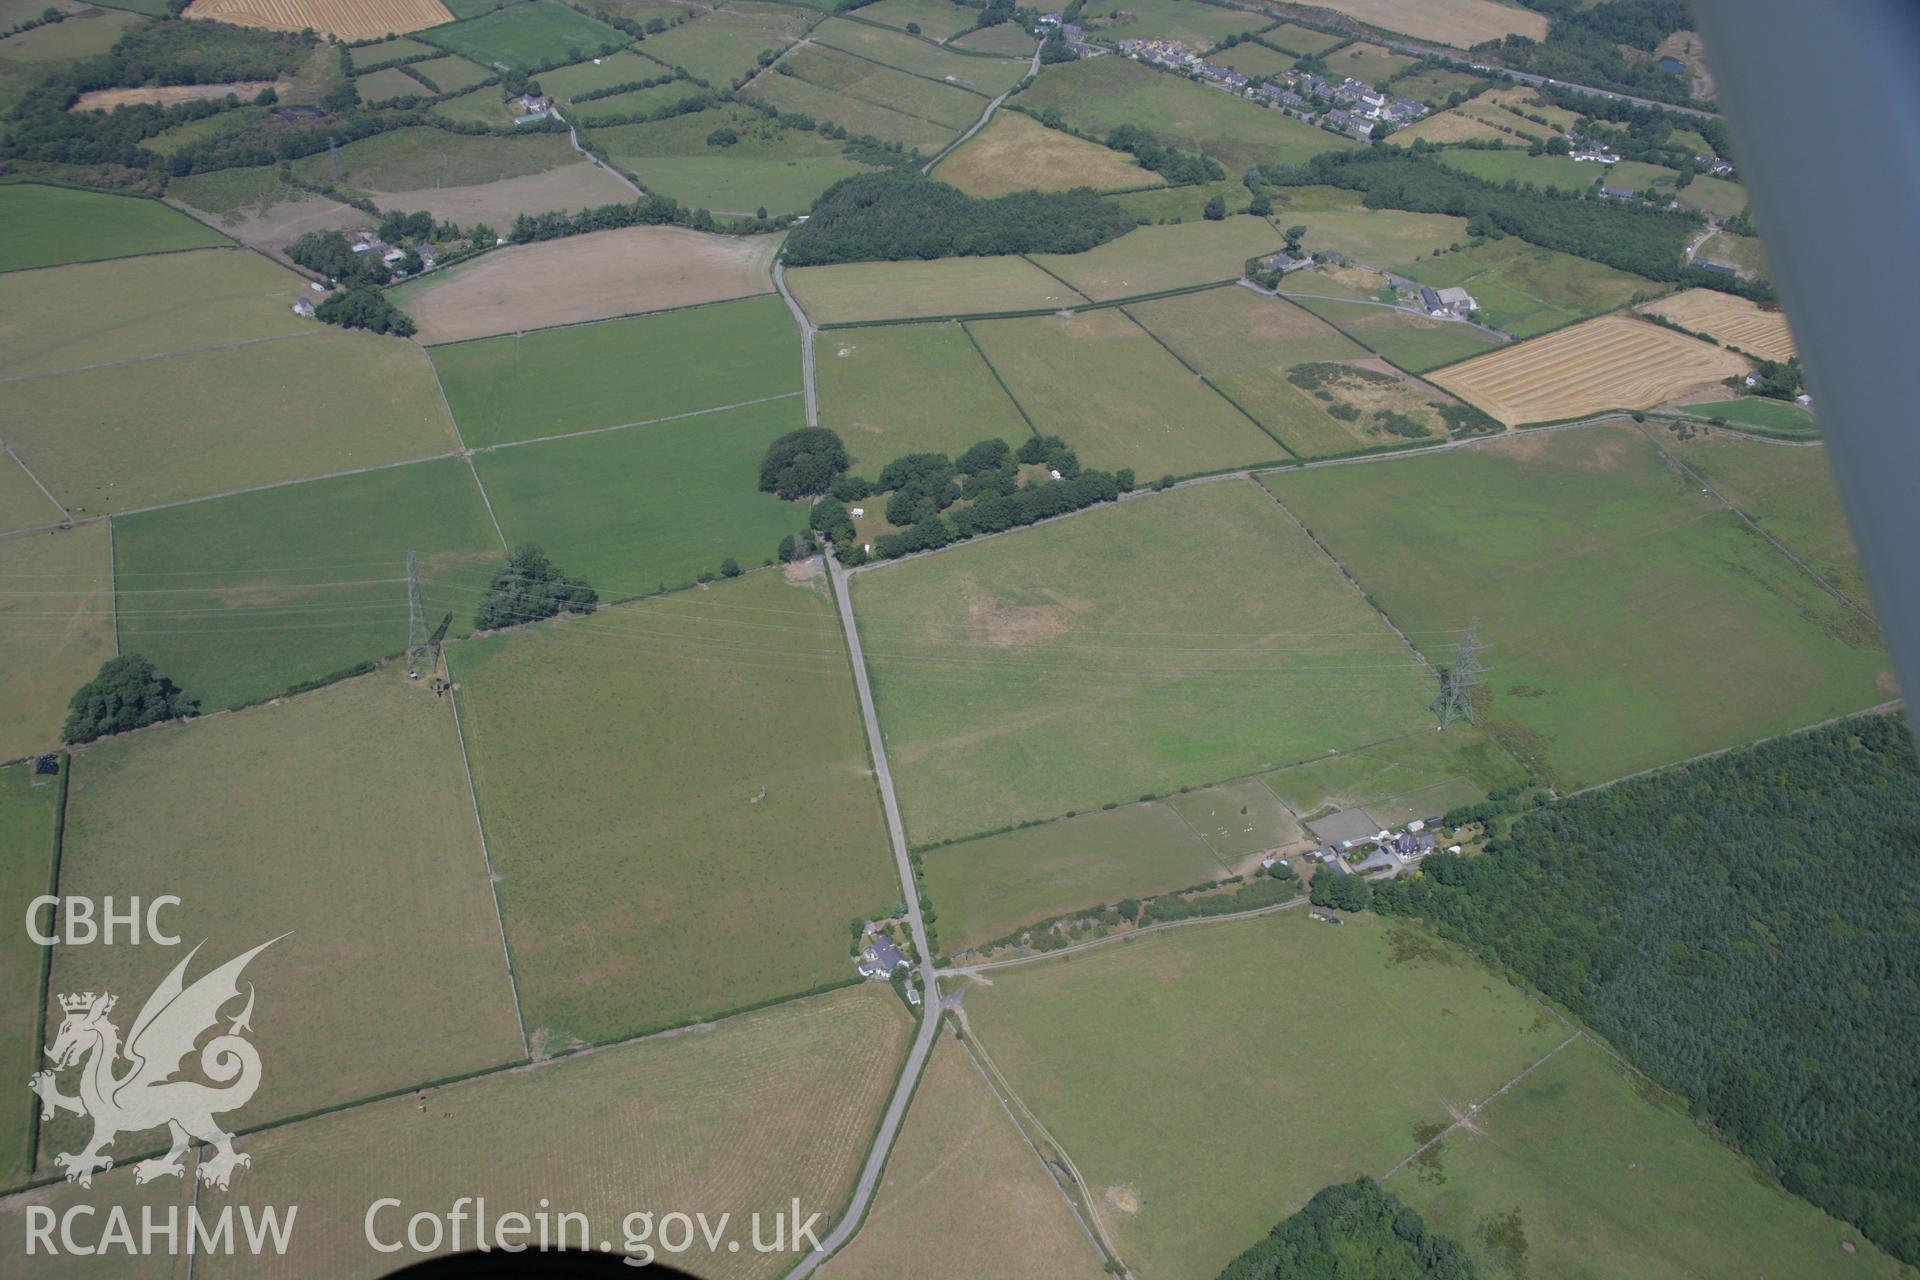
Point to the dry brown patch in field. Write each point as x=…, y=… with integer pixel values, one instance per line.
x=1018, y=153
x=591, y=277
x=348, y=19
x=1734, y=321
x=1612, y=362
x=1016, y=626
x=1460, y=23
x=274, y=226
x=568, y=188
x=164, y=95
x=1125, y=1199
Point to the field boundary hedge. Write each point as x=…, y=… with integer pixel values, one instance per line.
x=968, y=317
x=1209, y=382
x=998, y=380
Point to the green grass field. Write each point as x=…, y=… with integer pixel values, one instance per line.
x=777, y=168
x=613, y=372
x=386, y=85
x=392, y=50
x=50, y=644
x=857, y=291
x=22, y=504
x=454, y=74
x=1007, y=38
x=791, y=94
x=964, y=1193
x=27, y=817
x=732, y=1121
x=1238, y=819
x=1246, y=345
x=1180, y=204
x=1778, y=417
x=528, y=36
x=1149, y=259
x=985, y=889
x=639, y=102
x=1413, y=343
x=1207, y=1081
x=901, y=389
x=242, y=597
x=1099, y=95
x=1583, y=1172
x=650, y=507
x=1789, y=492
x=1254, y=60
x=1421, y=775
x=1745, y=252
x=340, y=819
x=1101, y=383
x=1516, y=165
x=937, y=19
x=1197, y=25
x=985, y=76
x=858, y=78
x=624, y=67
x=724, y=45
x=94, y=313
x=1432, y=87
x=413, y=159
x=1526, y=290
x=1581, y=543
x=482, y=106
x=1169, y=641
x=1336, y=221
x=47, y=226
x=1300, y=40
x=134, y=435
x=1367, y=63
x=703, y=756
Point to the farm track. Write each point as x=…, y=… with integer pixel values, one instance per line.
x=165, y=355
x=1489, y=330
x=573, y=137
x=993, y=105
x=1473, y=1111
x=807, y=331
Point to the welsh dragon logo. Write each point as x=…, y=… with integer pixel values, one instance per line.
x=144, y=1095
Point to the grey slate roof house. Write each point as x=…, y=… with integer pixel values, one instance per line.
x=880, y=958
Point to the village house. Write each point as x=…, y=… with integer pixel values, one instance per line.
x=1284, y=262
x=1618, y=193
x=303, y=306
x=880, y=957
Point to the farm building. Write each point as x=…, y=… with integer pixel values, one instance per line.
x=303, y=306
x=1430, y=300
x=1618, y=193
x=1457, y=301
x=1284, y=262
x=1718, y=268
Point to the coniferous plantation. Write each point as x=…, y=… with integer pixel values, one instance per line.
x=1745, y=929
x=897, y=215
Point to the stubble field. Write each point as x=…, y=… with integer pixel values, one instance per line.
x=857, y=291
x=1734, y=321
x=1017, y=153
x=1612, y=362
x=348, y=19
x=1461, y=23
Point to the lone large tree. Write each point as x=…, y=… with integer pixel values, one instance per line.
x=530, y=588
x=803, y=463
x=127, y=694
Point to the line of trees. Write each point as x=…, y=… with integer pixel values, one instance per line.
x=1744, y=929
x=531, y=587
x=902, y=214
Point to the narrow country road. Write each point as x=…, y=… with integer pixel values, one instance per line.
x=929, y=975
x=573, y=136
x=1033, y=69
x=806, y=351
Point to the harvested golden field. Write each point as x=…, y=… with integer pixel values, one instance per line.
x=1612, y=362
x=1018, y=153
x=964, y=1194
x=737, y=1117
x=591, y=277
x=1735, y=321
x=570, y=187
x=1448, y=126
x=1460, y=23
x=348, y=19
